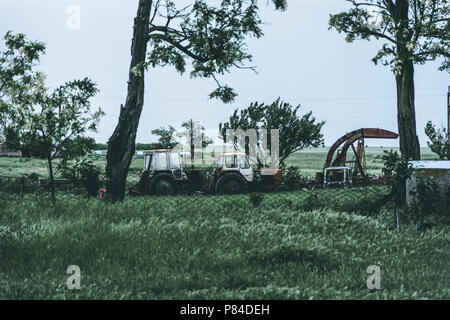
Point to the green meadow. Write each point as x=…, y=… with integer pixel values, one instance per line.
x=215, y=247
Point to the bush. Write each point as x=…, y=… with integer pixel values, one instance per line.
x=86, y=173
x=294, y=179
x=256, y=199
x=431, y=202
x=396, y=166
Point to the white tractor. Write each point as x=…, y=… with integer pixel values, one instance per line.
x=164, y=174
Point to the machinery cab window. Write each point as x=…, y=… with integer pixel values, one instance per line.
x=231, y=161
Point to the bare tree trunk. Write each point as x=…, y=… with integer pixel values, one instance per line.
x=406, y=114
x=121, y=145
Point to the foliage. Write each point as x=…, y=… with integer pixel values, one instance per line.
x=438, y=141
x=413, y=32
x=64, y=116
x=212, y=37
x=256, y=199
x=86, y=173
x=166, y=137
x=397, y=167
x=295, y=133
x=20, y=85
x=431, y=203
x=25, y=141
x=37, y=119
x=294, y=178
x=78, y=147
x=147, y=146
x=102, y=146
x=424, y=34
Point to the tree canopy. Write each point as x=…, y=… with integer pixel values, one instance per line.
x=416, y=30
x=34, y=118
x=438, y=141
x=413, y=32
x=295, y=132
x=21, y=86
x=166, y=138
x=212, y=38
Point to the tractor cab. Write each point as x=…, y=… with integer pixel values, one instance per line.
x=163, y=173
x=337, y=176
x=235, y=162
x=163, y=160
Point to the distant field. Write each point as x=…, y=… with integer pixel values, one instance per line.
x=310, y=161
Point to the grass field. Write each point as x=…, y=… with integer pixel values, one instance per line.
x=142, y=249
x=212, y=248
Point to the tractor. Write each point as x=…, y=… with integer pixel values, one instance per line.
x=234, y=174
x=164, y=174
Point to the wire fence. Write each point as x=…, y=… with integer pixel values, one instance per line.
x=366, y=200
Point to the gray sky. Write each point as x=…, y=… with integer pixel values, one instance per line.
x=298, y=59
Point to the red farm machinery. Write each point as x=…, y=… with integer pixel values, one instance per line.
x=340, y=169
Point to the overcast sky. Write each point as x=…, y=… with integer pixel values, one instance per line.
x=298, y=59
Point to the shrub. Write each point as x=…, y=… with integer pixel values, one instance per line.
x=294, y=179
x=84, y=172
x=256, y=199
x=396, y=166
x=431, y=201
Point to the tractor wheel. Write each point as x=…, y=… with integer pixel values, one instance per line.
x=231, y=183
x=163, y=185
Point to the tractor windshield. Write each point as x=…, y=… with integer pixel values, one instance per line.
x=175, y=162
x=160, y=162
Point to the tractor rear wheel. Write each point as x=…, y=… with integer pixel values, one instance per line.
x=163, y=185
x=231, y=183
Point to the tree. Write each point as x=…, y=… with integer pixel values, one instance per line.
x=295, y=133
x=194, y=132
x=414, y=31
x=77, y=147
x=101, y=146
x=20, y=85
x=146, y=146
x=166, y=137
x=62, y=116
x=212, y=38
x=438, y=141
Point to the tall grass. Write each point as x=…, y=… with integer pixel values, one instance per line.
x=148, y=248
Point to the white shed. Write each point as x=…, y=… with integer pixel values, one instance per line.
x=439, y=170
